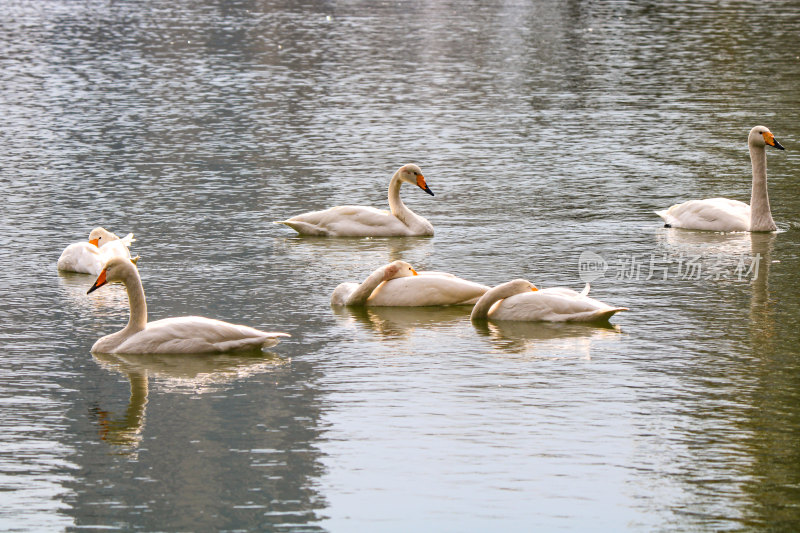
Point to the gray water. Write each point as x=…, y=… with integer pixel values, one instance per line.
x=546, y=129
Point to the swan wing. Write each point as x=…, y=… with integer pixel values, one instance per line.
x=82, y=257
x=348, y=221
x=427, y=289
x=197, y=335
x=553, y=305
x=118, y=248
x=712, y=214
x=127, y=240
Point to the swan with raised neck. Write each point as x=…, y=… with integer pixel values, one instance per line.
x=722, y=214
x=186, y=335
x=364, y=221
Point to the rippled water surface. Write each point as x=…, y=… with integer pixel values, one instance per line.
x=546, y=130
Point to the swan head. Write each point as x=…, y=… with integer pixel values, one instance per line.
x=398, y=269
x=412, y=174
x=101, y=236
x=761, y=136
x=117, y=270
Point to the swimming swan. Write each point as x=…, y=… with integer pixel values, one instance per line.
x=88, y=257
x=181, y=335
x=521, y=300
x=721, y=214
x=397, y=284
x=360, y=221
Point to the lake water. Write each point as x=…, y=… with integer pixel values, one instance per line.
x=546, y=129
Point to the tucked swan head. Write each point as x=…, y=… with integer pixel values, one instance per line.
x=398, y=269
x=411, y=173
x=518, y=286
x=101, y=236
x=761, y=136
x=500, y=292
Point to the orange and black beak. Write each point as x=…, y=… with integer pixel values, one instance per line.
x=422, y=185
x=414, y=272
x=101, y=280
x=770, y=139
x=94, y=241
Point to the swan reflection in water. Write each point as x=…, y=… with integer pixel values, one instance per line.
x=690, y=242
x=533, y=339
x=182, y=373
x=350, y=258
x=401, y=321
x=732, y=251
x=547, y=340
x=112, y=303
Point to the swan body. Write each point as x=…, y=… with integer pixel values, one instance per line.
x=520, y=300
x=398, y=284
x=181, y=335
x=722, y=214
x=90, y=256
x=362, y=221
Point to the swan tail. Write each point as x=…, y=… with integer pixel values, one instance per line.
x=603, y=315
x=586, y=289
x=669, y=220
x=250, y=344
x=303, y=228
x=135, y=260
x=128, y=239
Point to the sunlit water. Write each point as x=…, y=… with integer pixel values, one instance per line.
x=546, y=129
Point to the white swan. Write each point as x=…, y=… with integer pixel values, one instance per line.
x=521, y=300
x=90, y=256
x=397, y=284
x=182, y=335
x=721, y=214
x=360, y=221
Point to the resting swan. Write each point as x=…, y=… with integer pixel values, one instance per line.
x=721, y=214
x=88, y=257
x=360, y=221
x=521, y=300
x=182, y=335
x=397, y=284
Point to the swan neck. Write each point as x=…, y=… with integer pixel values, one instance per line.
x=137, y=302
x=485, y=302
x=362, y=292
x=396, y=205
x=760, y=214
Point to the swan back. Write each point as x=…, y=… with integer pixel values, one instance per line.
x=82, y=257
x=426, y=289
